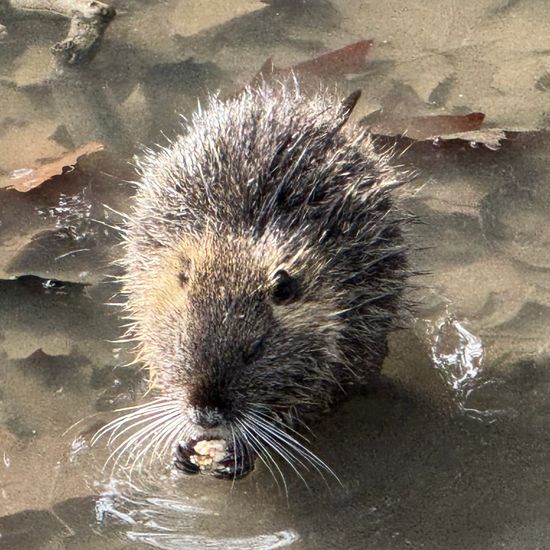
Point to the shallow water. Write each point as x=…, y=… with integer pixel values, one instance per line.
x=450, y=449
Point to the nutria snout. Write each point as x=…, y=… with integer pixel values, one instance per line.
x=265, y=266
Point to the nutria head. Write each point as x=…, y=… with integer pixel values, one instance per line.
x=233, y=330
x=265, y=266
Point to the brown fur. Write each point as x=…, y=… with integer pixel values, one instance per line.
x=267, y=196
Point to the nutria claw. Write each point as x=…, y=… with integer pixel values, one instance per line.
x=182, y=460
x=235, y=465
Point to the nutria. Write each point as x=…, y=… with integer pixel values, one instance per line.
x=265, y=265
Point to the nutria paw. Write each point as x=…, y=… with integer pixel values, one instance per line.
x=233, y=465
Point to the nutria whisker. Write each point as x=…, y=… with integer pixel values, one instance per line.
x=264, y=412
x=285, y=438
x=167, y=437
x=134, y=440
x=287, y=455
x=157, y=401
x=168, y=427
x=234, y=441
x=170, y=439
x=148, y=420
x=293, y=419
x=138, y=411
x=263, y=453
x=127, y=422
x=261, y=431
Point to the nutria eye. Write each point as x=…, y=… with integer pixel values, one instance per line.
x=286, y=288
x=185, y=270
x=183, y=277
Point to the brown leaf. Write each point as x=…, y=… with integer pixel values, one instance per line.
x=347, y=60
x=26, y=179
x=442, y=127
x=489, y=137
x=334, y=64
x=428, y=127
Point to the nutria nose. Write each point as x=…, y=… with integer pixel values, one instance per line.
x=207, y=417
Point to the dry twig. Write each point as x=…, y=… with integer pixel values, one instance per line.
x=89, y=19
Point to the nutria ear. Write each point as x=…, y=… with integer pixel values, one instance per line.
x=349, y=104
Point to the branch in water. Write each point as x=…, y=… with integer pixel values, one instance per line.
x=89, y=19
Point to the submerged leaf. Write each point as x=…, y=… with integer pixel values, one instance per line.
x=428, y=127
x=24, y=180
x=439, y=127
x=347, y=60
x=350, y=59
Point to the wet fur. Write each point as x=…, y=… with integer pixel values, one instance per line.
x=267, y=181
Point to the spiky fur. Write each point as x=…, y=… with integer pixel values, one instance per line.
x=266, y=181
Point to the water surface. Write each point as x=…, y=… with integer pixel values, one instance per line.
x=450, y=449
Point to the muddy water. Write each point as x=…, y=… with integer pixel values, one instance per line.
x=451, y=448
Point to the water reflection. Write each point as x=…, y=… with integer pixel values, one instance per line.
x=156, y=511
x=171, y=523
x=458, y=355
